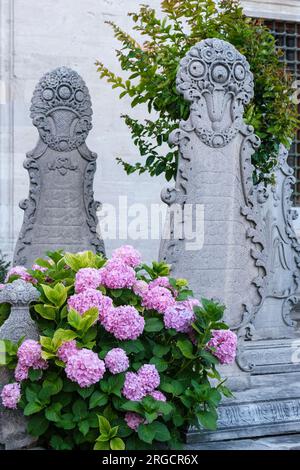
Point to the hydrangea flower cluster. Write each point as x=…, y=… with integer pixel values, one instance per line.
x=140, y=288
x=88, y=299
x=29, y=355
x=37, y=267
x=85, y=368
x=179, y=316
x=149, y=377
x=144, y=382
x=158, y=298
x=124, y=322
x=66, y=350
x=21, y=272
x=163, y=281
x=11, y=395
x=128, y=255
x=87, y=278
x=29, y=352
x=133, y=420
x=133, y=389
x=118, y=275
x=224, y=344
x=159, y=396
x=116, y=361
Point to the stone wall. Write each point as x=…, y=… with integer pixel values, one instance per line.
x=37, y=37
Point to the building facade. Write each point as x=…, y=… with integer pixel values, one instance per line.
x=39, y=36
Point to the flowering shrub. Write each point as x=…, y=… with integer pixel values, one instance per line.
x=125, y=355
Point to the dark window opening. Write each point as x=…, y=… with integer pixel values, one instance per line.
x=288, y=40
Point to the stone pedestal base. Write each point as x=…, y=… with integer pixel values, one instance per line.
x=273, y=409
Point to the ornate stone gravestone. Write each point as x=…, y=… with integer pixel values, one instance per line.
x=13, y=424
x=60, y=212
x=215, y=171
x=250, y=254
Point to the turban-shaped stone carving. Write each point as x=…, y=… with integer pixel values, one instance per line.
x=19, y=292
x=61, y=109
x=216, y=78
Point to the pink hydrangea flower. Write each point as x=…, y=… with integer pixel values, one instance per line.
x=133, y=420
x=1, y=286
x=29, y=353
x=11, y=395
x=190, y=303
x=179, y=317
x=149, y=377
x=66, y=350
x=21, y=272
x=116, y=361
x=124, y=322
x=157, y=395
x=140, y=288
x=87, y=278
x=105, y=306
x=21, y=372
x=163, y=281
x=158, y=298
x=133, y=389
x=37, y=267
x=85, y=368
x=128, y=255
x=41, y=364
x=224, y=343
x=88, y=299
x=118, y=275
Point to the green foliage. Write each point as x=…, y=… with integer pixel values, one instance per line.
x=151, y=74
x=108, y=438
x=64, y=416
x=4, y=266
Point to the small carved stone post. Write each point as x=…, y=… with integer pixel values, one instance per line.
x=60, y=212
x=13, y=425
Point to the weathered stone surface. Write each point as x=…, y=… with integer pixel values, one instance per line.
x=214, y=170
x=60, y=212
x=289, y=442
x=13, y=425
x=250, y=254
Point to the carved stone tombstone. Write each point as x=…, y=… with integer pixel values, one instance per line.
x=13, y=424
x=215, y=172
x=249, y=258
x=60, y=212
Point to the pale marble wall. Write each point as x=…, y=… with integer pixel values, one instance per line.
x=38, y=35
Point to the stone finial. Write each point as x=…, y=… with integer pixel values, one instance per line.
x=19, y=292
x=216, y=78
x=57, y=93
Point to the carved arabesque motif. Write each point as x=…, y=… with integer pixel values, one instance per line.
x=61, y=111
x=217, y=81
x=277, y=217
x=216, y=78
x=62, y=89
